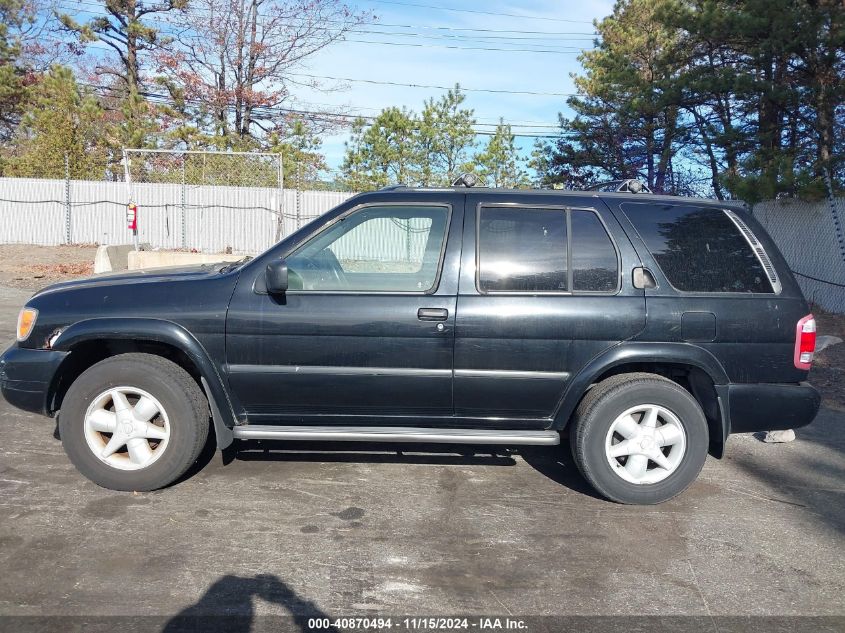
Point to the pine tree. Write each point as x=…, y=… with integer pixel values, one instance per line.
x=446, y=138
x=125, y=29
x=63, y=120
x=627, y=121
x=500, y=164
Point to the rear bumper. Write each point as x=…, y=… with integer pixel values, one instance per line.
x=26, y=376
x=765, y=407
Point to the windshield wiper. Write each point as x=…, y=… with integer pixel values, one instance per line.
x=230, y=267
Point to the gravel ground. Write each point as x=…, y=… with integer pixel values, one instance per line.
x=31, y=267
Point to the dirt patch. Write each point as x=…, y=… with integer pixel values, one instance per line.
x=32, y=267
x=828, y=373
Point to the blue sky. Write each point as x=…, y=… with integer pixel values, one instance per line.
x=499, y=70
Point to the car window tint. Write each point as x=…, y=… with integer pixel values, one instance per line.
x=594, y=262
x=522, y=250
x=375, y=249
x=698, y=249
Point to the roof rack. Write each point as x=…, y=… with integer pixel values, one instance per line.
x=630, y=185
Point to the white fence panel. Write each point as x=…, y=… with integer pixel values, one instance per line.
x=206, y=218
x=32, y=211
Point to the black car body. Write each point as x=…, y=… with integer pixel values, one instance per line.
x=511, y=307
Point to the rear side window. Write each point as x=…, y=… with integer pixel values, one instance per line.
x=594, y=263
x=544, y=250
x=699, y=249
x=522, y=250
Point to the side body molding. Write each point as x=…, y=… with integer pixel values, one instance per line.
x=161, y=331
x=642, y=352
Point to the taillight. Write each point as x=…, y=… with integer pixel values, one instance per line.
x=805, y=342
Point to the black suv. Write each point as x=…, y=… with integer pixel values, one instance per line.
x=646, y=327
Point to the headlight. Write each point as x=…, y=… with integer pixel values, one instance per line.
x=26, y=321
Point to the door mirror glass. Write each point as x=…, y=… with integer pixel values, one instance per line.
x=276, y=276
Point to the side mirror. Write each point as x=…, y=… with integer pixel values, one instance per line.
x=276, y=277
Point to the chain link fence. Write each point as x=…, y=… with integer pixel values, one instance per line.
x=196, y=192
x=806, y=234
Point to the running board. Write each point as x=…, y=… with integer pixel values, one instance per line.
x=395, y=434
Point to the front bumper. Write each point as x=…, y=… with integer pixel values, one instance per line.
x=26, y=376
x=766, y=407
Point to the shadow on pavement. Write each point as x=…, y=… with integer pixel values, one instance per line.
x=363, y=453
x=554, y=462
x=813, y=479
x=228, y=606
x=557, y=463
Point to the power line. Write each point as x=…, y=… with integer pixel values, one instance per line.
x=540, y=46
x=453, y=28
x=315, y=115
x=477, y=12
x=433, y=87
x=376, y=22
x=467, y=32
x=471, y=48
x=541, y=41
x=398, y=84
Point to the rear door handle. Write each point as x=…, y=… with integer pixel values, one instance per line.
x=432, y=314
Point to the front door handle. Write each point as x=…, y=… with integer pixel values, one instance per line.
x=432, y=314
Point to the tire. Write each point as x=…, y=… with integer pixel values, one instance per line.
x=680, y=435
x=173, y=436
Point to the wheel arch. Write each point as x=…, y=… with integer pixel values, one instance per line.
x=693, y=367
x=93, y=340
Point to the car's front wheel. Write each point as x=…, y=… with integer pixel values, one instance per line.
x=134, y=422
x=639, y=438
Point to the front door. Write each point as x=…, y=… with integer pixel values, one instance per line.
x=366, y=328
x=545, y=287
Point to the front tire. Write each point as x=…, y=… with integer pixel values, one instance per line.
x=134, y=422
x=639, y=438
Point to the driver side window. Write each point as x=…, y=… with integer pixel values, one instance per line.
x=392, y=248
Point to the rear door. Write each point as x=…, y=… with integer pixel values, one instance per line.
x=718, y=285
x=545, y=286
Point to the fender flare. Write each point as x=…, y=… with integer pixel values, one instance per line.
x=639, y=352
x=160, y=331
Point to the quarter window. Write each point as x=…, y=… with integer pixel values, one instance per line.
x=698, y=249
x=374, y=249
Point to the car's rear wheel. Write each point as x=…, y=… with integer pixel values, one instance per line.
x=134, y=422
x=639, y=438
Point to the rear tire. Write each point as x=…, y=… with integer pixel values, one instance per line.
x=134, y=422
x=639, y=438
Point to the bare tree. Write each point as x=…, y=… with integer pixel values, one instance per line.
x=232, y=57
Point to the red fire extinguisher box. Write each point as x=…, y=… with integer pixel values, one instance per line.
x=132, y=217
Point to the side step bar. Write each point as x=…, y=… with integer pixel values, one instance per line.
x=395, y=434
